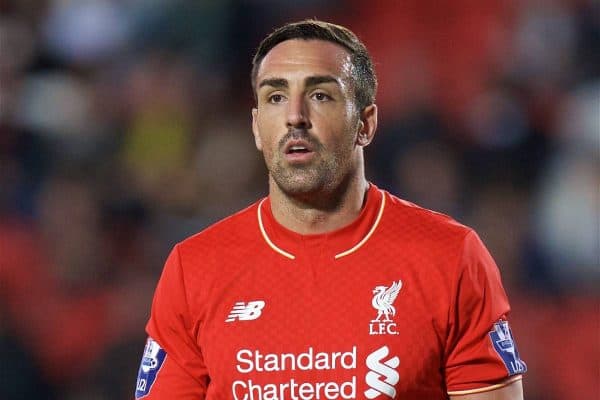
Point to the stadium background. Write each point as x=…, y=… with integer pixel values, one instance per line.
x=125, y=127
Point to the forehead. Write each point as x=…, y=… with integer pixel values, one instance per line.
x=305, y=58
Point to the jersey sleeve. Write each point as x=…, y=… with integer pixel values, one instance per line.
x=172, y=364
x=481, y=353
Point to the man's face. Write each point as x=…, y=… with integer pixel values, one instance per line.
x=306, y=122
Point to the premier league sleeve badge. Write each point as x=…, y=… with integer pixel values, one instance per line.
x=152, y=360
x=505, y=346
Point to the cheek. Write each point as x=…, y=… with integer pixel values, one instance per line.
x=267, y=135
x=268, y=121
x=336, y=117
x=340, y=133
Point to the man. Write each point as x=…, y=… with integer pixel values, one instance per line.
x=329, y=288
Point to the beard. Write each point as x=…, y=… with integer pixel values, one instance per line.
x=303, y=179
x=324, y=174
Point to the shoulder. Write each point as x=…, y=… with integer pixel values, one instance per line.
x=237, y=228
x=428, y=238
x=216, y=252
x=417, y=221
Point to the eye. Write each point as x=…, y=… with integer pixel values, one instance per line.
x=275, y=98
x=320, y=96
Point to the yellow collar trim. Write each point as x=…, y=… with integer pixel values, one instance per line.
x=337, y=256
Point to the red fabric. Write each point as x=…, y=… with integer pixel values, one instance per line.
x=450, y=297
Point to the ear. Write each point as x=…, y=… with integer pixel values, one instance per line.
x=257, y=141
x=367, y=125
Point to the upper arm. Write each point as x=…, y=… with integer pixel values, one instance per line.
x=162, y=377
x=172, y=365
x=480, y=348
x=510, y=391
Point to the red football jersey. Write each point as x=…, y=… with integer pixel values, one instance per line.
x=404, y=303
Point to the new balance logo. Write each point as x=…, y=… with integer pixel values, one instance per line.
x=246, y=312
x=382, y=375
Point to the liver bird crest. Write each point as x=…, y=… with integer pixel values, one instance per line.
x=383, y=300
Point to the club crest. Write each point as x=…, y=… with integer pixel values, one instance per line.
x=383, y=303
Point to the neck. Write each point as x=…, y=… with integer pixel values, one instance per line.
x=319, y=212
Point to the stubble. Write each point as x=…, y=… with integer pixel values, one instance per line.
x=324, y=174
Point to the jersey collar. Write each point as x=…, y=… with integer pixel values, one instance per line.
x=336, y=244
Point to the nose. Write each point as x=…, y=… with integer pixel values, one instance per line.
x=297, y=114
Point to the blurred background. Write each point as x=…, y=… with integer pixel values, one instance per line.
x=125, y=127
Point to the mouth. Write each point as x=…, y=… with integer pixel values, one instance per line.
x=297, y=146
x=298, y=150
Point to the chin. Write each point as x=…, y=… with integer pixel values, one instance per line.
x=299, y=188
x=299, y=185
x=298, y=181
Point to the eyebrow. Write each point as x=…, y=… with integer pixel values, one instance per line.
x=316, y=80
x=274, y=82
x=309, y=81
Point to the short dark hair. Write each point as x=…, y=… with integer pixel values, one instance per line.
x=365, y=81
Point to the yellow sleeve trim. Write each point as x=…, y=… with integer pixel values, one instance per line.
x=487, y=388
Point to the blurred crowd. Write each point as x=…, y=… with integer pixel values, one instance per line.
x=125, y=127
